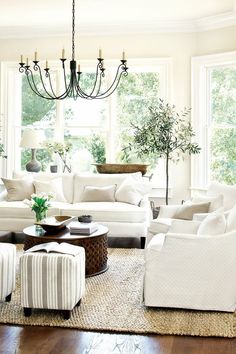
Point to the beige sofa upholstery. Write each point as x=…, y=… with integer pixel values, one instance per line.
x=122, y=219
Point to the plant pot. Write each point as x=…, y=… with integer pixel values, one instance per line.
x=53, y=168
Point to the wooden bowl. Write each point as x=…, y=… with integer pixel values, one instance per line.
x=121, y=168
x=55, y=223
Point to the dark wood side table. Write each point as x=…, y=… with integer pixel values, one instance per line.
x=95, y=245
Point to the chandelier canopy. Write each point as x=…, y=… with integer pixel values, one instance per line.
x=72, y=84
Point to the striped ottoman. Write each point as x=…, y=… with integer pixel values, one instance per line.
x=52, y=281
x=7, y=270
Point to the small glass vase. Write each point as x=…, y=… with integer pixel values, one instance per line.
x=39, y=216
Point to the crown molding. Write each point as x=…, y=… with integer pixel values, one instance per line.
x=133, y=27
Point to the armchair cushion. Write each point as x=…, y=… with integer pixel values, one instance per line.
x=186, y=211
x=213, y=224
x=229, y=193
x=216, y=201
x=231, y=220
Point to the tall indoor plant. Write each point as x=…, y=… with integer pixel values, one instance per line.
x=164, y=133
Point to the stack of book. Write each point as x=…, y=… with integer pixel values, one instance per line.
x=81, y=228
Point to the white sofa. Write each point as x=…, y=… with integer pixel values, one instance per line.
x=122, y=219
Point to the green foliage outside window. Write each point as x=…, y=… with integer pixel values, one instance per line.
x=136, y=93
x=223, y=139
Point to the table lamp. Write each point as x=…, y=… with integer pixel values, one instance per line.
x=32, y=139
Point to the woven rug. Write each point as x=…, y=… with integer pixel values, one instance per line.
x=113, y=303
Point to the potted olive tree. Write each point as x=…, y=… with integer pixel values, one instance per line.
x=164, y=133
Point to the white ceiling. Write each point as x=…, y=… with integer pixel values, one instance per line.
x=27, y=18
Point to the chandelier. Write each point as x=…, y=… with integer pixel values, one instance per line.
x=72, y=84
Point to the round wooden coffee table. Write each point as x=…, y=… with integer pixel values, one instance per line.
x=95, y=245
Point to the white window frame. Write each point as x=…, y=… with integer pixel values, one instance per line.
x=200, y=98
x=10, y=102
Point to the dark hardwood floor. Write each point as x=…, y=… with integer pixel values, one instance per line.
x=37, y=340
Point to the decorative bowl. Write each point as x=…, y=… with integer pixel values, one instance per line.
x=85, y=218
x=121, y=167
x=55, y=223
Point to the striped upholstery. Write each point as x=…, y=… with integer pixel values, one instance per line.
x=7, y=269
x=52, y=280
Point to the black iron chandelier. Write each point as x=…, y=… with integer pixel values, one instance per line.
x=72, y=85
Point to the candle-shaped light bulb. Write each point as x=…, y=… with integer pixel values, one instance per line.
x=78, y=68
x=123, y=55
x=46, y=64
x=27, y=61
x=100, y=53
x=63, y=53
x=35, y=56
x=21, y=58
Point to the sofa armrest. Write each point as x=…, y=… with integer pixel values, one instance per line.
x=3, y=195
x=168, y=211
x=184, y=226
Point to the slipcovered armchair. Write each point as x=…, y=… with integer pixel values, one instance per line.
x=193, y=270
x=171, y=218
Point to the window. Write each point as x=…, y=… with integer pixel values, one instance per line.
x=99, y=129
x=214, y=118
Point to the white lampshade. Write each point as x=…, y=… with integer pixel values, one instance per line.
x=31, y=139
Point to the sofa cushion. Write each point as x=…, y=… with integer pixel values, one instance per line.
x=67, y=181
x=229, y=193
x=99, y=194
x=19, y=209
x=53, y=187
x=18, y=189
x=131, y=191
x=107, y=211
x=99, y=180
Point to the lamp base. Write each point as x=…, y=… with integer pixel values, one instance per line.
x=33, y=166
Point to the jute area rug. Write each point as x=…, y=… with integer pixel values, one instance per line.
x=113, y=303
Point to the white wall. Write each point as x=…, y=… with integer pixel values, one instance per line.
x=180, y=47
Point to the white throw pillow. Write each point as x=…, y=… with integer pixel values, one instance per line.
x=53, y=187
x=132, y=192
x=215, y=200
x=213, y=224
x=228, y=191
x=99, y=194
x=231, y=220
x=18, y=189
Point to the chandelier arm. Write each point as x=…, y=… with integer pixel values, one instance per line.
x=53, y=96
x=108, y=92
x=116, y=79
x=90, y=96
x=50, y=83
x=96, y=79
x=33, y=85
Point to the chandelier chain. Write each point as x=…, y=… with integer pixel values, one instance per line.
x=73, y=30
